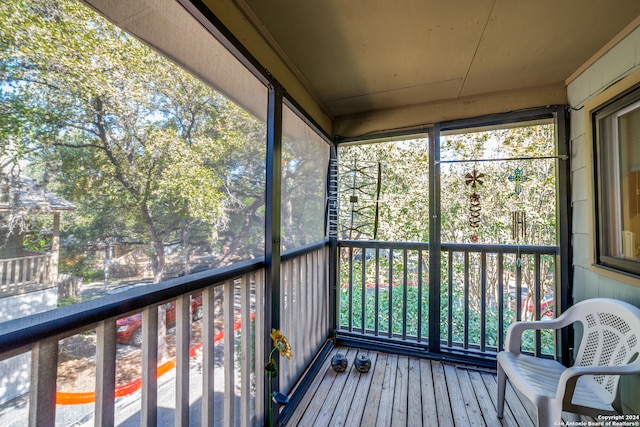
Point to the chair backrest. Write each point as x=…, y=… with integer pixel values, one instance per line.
x=611, y=337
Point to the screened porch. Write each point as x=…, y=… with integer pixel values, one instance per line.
x=242, y=170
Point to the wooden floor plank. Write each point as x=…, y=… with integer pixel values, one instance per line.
x=429, y=410
x=311, y=392
x=363, y=391
x=491, y=384
x=487, y=407
x=442, y=395
x=526, y=403
x=336, y=393
x=388, y=387
x=517, y=406
x=470, y=398
x=414, y=401
x=370, y=414
x=405, y=391
x=310, y=415
x=349, y=399
x=401, y=394
x=458, y=405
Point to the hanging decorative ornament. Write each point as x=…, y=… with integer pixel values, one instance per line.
x=474, y=210
x=474, y=178
x=518, y=178
x=519, y=225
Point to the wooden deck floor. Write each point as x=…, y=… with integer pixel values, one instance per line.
x=407, y=391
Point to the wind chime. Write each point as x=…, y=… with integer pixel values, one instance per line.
x=518, y=218
x=519, y=225
x=473, y=179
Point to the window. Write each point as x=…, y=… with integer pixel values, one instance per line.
x=161, y=151
x=305, y=156
x=617, y=148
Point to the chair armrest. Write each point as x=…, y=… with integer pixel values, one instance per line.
x=567, y=381
x=515, y=330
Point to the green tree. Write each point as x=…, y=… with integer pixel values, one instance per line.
x=404, y=215
x=403, y=197
x=135, y=141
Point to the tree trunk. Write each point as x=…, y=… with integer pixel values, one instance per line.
x=185, y=245
x=158, y=245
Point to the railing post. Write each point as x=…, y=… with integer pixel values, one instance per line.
x=55, y=250
x=563, y=274
x=466, y=299
x=272, y=231
x=229, y=403
x=260, y=331
x=483, y=300
x=434, y=239
x=208, y=347
x=501, y=300
x=183, y=341
x=105, y=372
x=149, y=404
x=245, y=350
x=333, y=257
x=42, y=392
x=3, y=278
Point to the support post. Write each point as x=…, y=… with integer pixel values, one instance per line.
x=564, y=274
x=55, y=250
x=434, y=239
x=272, y=233
x=42, y=391
x=105, y=372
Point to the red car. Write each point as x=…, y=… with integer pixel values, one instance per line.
x=546, y=306
x=129, y=329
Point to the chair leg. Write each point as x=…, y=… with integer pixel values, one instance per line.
x=502, y=384
x=549, y=414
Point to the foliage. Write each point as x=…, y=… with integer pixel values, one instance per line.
x=67, y=301
x=403, y=203
x=498, y=198
x=403, y=215
x=37, y=233
x=142, y=148
x=304, y=163
x=151, y=156
x=404, y=195
x=399, y=310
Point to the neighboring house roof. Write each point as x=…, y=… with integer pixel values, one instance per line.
x=19, y=192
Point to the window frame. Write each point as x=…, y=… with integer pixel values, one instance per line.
x=603, y=175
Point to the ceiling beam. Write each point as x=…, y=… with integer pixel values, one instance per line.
x=423, y=116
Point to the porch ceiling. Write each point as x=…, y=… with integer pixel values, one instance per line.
x=361, y=56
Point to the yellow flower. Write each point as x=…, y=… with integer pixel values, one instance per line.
x=281, y=344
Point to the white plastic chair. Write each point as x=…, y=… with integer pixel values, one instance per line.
x=610, y=347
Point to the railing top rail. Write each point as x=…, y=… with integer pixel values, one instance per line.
x=452, y=247
x=303, y=250
x=18, y=334
x=21, y=258
x=373, y=244
x=514, y=249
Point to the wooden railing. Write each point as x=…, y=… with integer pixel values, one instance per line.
x=28, y=273
x=382, y=298
x=384, y=294
x=231, y=356
x=230, y=296
x=304, y=307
